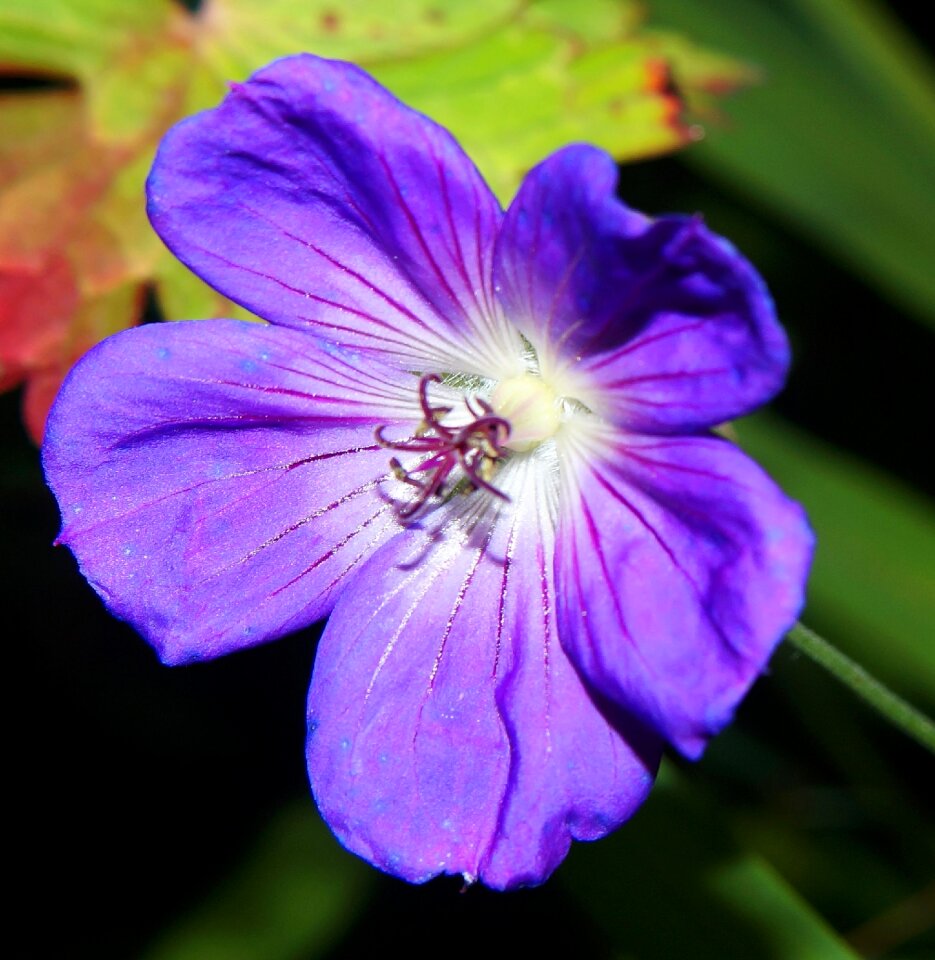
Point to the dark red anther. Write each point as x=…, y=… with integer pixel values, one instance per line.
x=472, y=448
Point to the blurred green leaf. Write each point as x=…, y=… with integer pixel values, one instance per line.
x=888, y=704
x=564, y=73
x=873, y=580
x=867, y=35
x=243, y=35
x=293, y=896
x=549, y=92
x=77, y=37
x=674, y=883
x=596, y=21
x=839, y=140
x=826, y=794
x=702, y=75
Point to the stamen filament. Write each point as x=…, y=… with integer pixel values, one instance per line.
x=473, y=447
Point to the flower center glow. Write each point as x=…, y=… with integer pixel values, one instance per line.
x=532, y=408
x=458, y=454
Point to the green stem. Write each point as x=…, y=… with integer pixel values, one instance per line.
x=901, y=714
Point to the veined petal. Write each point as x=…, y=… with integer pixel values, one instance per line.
x=679, y=567
x=217, y=479
x=448, y=733
x=577, y=770
x=660, y=325
x=316, y=199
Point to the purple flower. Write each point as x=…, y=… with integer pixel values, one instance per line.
x=479, y=441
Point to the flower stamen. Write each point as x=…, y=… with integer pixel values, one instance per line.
x=474, y=447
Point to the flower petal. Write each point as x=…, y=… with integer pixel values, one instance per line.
x=217, y=478
x=662, y=325
x=316, y=199
x=679, y=566
x=448, y=733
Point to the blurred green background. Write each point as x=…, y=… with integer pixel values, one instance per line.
x=165, y=814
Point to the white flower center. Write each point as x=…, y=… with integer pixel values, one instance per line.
x=533, y=409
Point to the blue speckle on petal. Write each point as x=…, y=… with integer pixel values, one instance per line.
x=248, y=366
x=345, y=743
x=163, y=353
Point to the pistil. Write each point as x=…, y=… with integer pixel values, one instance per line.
x=532, y=407
x=474, y=447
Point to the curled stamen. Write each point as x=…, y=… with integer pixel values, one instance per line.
x=474, y=448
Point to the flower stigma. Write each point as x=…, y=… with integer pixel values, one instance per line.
x=474, y=447
x=522, y=412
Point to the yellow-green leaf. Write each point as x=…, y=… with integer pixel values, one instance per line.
x=519, y=94
x=76, y=38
